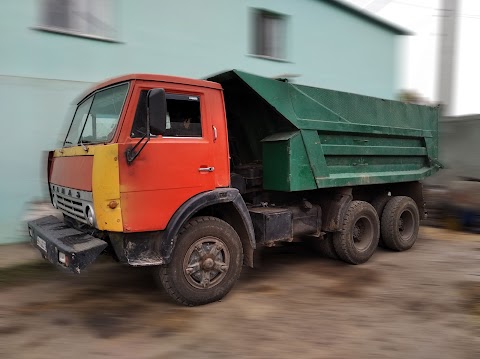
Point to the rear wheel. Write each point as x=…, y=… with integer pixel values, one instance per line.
x=205, y=264
x=325, y=246
x=379, y=204
x=400, y=223
x=358, y=237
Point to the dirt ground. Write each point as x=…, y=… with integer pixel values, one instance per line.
x=423, y=303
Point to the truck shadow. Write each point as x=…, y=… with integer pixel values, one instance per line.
x=108, y=300
x=111, y=300
x=298, y=260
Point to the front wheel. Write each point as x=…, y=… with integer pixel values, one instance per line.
x=205, y=264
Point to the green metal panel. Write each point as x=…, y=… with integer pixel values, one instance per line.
x=276, y=164
x=348, y=139
x=286, y=166
x=315, y=153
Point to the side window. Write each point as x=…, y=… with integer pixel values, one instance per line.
x=183, y=116
x=140, y=121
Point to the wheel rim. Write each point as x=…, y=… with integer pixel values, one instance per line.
x=406, y=225
x=206, y=262
x=362, y=233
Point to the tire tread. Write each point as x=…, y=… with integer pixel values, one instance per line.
x=164, y=271
x=388, y=227
x=342, y=239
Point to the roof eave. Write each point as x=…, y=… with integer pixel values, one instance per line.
x=370, y=17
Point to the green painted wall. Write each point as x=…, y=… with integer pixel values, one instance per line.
x=41, y=73
x=32, y=116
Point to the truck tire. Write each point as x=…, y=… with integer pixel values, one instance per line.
x=379, y=204
x=325, y=246
x=358, y=237
x=400, y=223
x=205, y=264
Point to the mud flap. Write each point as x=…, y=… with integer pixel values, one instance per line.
x=64, y=246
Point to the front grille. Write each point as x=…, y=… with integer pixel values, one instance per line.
x=69, y=205
x=72, y=208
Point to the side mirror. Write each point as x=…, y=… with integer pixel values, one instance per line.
x=156, y=111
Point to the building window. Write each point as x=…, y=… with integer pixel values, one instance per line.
x=88, y=18
x=270, y=34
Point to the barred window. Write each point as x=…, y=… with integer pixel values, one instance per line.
x=89, y=18
x=270, y=34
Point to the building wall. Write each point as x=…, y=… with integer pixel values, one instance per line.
x=41, y=73
x=460, y=146
x=32, y=116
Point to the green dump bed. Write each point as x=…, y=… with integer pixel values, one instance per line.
x=308, y=138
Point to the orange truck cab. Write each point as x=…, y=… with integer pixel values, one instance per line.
x=137, y=189
x=150, y=174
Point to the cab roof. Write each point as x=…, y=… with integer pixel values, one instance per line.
x=150, y=77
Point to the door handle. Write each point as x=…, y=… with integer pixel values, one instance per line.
x=206, y=169
x=215, y=134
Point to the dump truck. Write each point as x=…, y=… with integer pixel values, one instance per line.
x=193, y=177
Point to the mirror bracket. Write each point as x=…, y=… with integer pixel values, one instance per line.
x=130, y=152
x=156, y=107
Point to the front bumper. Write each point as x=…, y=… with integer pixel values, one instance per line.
x=64, y=246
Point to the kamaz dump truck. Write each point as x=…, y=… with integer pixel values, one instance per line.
x=193, y=176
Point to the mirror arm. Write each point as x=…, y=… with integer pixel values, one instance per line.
x=130, y=153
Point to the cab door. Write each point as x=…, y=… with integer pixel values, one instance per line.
x=171, y=168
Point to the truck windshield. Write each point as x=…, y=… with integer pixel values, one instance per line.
x=96, y=117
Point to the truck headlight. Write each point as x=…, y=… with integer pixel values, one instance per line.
x=90, y=216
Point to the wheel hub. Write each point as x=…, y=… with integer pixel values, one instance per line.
x=357, y=233
x=362, y=233
x=406, y=225
x=206, y=263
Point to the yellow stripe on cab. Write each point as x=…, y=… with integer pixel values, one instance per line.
x=106, y=188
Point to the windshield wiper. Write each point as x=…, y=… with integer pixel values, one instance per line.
x=85, y=148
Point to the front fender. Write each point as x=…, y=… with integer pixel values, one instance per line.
x=195, y=204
